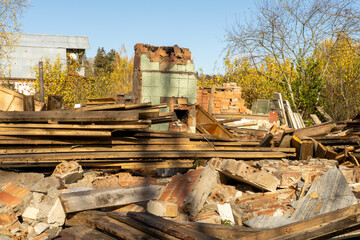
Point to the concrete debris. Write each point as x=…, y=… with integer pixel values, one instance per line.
x=162, y=209
x=226, y=191
x=4, y=237
x=56, y=215
x=241, y=171
x=226, y=214
x=30, y=214
x=102, y=198
x=328, y=193
x=45, y=184
x=40, y=227
x=195, y=200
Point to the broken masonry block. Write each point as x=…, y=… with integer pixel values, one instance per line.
x=195, y=200
x=162, y=209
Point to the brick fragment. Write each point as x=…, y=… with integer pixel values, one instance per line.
x=15, y=190
x=7, y=218
x=9, y=199
x=180, y=186
x=162, y=209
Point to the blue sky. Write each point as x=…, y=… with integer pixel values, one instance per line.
x=197, y=25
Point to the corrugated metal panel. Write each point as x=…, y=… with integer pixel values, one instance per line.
x=33, y=48
x=54, y=41
x=25, y=59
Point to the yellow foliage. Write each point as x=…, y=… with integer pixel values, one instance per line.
x=10, y=12
x=64, y=80
x=256, y=82
x=341, y=70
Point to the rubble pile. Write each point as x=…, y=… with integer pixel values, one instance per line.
x=234, y=194
x=91, y=173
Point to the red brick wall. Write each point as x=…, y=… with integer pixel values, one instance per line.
x=225, y=100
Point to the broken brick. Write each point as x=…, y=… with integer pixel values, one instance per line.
x=180, y=186
x=7, y=218
x=9, y=199
x=162, y=209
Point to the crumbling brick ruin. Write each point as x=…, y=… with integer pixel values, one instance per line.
x=161, y=73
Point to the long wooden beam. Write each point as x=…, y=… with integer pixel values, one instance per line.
x=170, y=227
x=133, y=125
x=70, y=116
x=105, y=163
x=144, y=154
x=327, y=224
x=53, y=132
x=136, y=148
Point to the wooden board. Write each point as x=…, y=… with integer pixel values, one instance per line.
x=170, y=227
x=83, y=233
x=52, y=132
x=221, y=231
x=144, y=155
x=69, y=116
x=131, y=125
x=315, y=130
x=118, y=229
x=42, y=140
x=327, y=224
x=135, y=148
x=104, y=163
x=11, y=100
x=122, y=217
x=203, y=117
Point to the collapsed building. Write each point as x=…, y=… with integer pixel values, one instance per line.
x=173, y=162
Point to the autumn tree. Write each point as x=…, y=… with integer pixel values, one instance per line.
x=341, y=64
x=122, y=76
x=10, y=13
x=103, y=62
x=290, y=31
x=64, y=79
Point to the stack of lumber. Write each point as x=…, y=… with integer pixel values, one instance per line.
x=113, y=136
x=330, y=140
x=129, y=149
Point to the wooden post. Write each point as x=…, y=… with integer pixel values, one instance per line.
x=54, y=102
x=211, y=100
x=29, y=103
x=41, y=80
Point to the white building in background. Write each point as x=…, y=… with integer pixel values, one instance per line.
x=32, y=48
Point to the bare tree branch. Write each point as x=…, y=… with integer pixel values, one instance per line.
x=291, y=29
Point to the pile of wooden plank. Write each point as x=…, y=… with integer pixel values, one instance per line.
x=131, y=225
x=113, y=135
x=330, y=140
